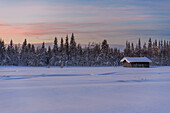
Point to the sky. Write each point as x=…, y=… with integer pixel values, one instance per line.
x=90, y=20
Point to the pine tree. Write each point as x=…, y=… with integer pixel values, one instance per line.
x=24, y=54
x=72, y=50
x=144, y=50
x=31, y=56
x=10, y=54
x=79, y=55
x=159, y=49
x=55, y=49
x=150, y=48
x=104, y=51
x=55, y=59
x=132, y=50
x=139, y=48
x=33, y=49
x=49, y=55
x=42, y=56
x=61, y=45
x=17, y=56
x=127, y=49
x=62, y=53
x=72, y=44
x=24, y=45
x=154, y=48
x=67, y=47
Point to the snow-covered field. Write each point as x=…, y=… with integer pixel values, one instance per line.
x=84, y=90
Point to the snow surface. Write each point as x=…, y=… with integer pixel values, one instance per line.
x=84, y=90
x=136, y=59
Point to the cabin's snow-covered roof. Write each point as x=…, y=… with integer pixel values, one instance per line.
x=136, y=59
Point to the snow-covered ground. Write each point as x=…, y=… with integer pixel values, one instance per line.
x=84, y=90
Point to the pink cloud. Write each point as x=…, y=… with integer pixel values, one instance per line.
x=2, y=25
x=62, y=25
x=18, y=27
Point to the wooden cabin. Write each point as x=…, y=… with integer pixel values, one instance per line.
x=136, y=62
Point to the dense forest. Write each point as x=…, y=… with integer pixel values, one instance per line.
x=157, y=51
x=69, y=53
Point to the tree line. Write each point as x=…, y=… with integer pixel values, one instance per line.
x=157, y=51
x=69, y=53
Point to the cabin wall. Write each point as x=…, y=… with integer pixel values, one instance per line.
x=136, y=64
x=140, y=64
x=126, y=64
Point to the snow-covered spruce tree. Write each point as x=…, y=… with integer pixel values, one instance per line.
x=149, y=48
x=159, y=49
x=31, y=56
x=49, y=55
x=104, y=52
x=137, y=52
x=91, y=54
x=86, y=56
x=62, y=53
x=132, y=51
x=24, y=54
x=72, y=51
x=168, y=52
x=144, y=50
x=61, y=45
x=161, y=57
x=54, y=61
x=127, y=49
x=117, y=57
x=16, y=56
x=42, y=55
x=138, y=48
x=155, y=48
x=3, y=54
x=55, y=48
x=66, y=50
x=155, y=57
x=28, y=56
x=165, y=53
x=96, y=51
x=79, y=56
x=168, y=46
x=10, y=54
